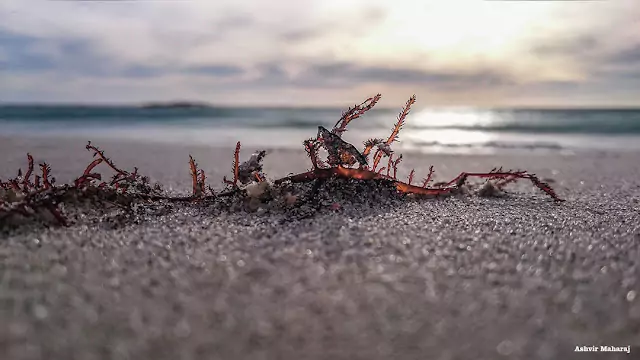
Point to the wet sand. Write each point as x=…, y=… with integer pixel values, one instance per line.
x=376, y=277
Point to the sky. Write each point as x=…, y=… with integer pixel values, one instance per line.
x=322, y=52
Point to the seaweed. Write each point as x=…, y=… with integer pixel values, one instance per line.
x=21, y=197
x=236, y=169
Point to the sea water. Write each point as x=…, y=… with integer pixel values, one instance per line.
x=456, y=130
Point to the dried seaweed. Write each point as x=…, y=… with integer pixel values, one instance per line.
x=23, y=198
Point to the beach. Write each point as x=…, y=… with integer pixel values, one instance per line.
x=365, y=277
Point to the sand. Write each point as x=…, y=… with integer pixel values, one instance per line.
x=373, y=277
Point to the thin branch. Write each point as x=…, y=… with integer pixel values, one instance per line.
x=193, y=167
x=201, y=184
x=26, y=182
x=100, y=153
x=46, y=169
x=311, y=147
x=370, y=144
x=236, y=163
x=395, y=166
x=396, y=129
x=429, y=177
x=236, y=167
x=354, y=113
x=87, y=175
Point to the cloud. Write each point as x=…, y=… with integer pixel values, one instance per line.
x=629, y=55
x=374, y=74
x=464, y=51
x=575, y=45
x=216, y=70
x=17, y=56
x=76, y=57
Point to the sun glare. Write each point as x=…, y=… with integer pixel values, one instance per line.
x=450, y=130
x=452, y=117
x=454, y=34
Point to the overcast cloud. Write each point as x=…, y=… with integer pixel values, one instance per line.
x=322, y=52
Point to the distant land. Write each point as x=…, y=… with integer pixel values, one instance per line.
x=176, y=105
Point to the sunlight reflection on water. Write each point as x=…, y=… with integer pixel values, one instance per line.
x=453, y=117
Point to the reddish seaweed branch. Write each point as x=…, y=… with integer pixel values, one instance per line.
x=411, y=175
x=354, y=113
x=87, y=175
x=396, y=130
x=236, y=169
x=97, y=152
x=26, y=183
x=429, y=177
x=46, y=170
x=193, y=167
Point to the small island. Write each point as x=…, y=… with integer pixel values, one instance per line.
x=175, y=105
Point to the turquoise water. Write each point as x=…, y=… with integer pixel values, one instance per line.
x=428, y=129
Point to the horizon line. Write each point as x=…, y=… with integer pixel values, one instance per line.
x=202, y=104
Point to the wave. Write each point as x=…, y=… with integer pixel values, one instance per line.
x=605, y=129
x=492, y=144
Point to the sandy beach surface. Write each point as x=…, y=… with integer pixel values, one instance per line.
x=373, y=277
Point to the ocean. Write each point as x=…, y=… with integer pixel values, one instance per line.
x=441, y=130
